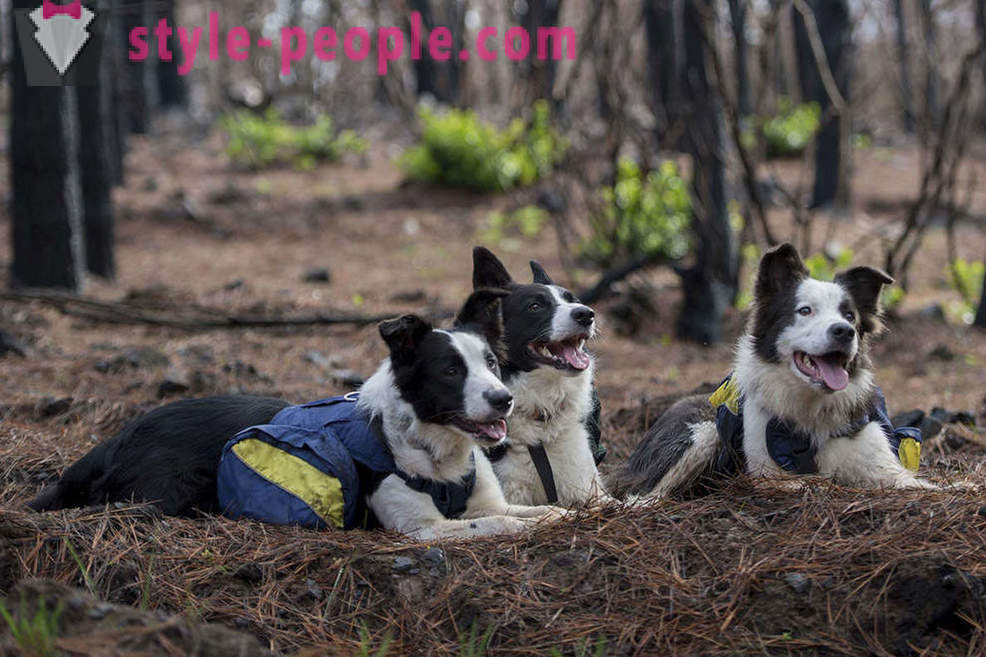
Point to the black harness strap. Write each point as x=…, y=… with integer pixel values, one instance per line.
x=543, y=465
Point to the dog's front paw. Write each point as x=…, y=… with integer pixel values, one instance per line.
x=547, y=513
x=913, y=483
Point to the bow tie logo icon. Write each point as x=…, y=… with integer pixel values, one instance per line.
x=50, y=9
x=61, y=31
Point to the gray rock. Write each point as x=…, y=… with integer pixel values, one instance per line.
x=935, y=311
x=317, y=275
x=404, y=564
x=433, y=556
x=799, y=582
x=174, y=382
x=49, y=407
x=347, y=378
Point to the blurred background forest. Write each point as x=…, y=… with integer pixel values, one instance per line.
x=237, y=230
x=685, y=136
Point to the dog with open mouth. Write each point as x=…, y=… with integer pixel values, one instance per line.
x=406, y=452
x=548, y=457
x=801, y=398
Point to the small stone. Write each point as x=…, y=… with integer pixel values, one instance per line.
x=318, y=275
x=313, y=589
x=798, y=582
x=249, y=572
x=935, y=311
x=49, y=407
x=9, y=345
x=433, y=556
x=409, y=296
x=352, y=203
x=320, y=359
x=552, y=200
x=404, y=564
x=174, y=382
x=346, y=378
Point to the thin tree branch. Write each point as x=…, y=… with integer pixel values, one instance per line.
x=206, y=319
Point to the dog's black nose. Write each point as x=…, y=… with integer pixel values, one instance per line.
x=842, y=332
x=583, y=316
x=499, y=400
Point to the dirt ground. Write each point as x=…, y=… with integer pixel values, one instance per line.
x=743, y=570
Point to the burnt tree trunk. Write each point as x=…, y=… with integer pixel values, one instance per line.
x=539, y=74
x=737, y=19
x=172, y=91
x=710, y=284
x=663, y=65
x=440, y=79
x=832, y=141
x=932, y=81
x=903, y=57
x=97, y=117
x=116, y=63
x=981, y=26
x=139, y=82
x=980, y=320
x=46, y=209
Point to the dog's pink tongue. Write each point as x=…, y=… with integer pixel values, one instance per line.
x=494, y=430
x=571, y=355
x=835, y=376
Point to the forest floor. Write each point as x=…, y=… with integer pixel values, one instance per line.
x=745, y=569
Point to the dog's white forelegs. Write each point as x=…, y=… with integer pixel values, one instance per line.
x=759, y=462
x=488, y=498
x=411, y=512
x=865, y=460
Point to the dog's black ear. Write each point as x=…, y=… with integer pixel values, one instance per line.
x=481, y=313
x=540, y=276
x=403, y=335
x=487, y=270
x=780, y=268
x=864, y=285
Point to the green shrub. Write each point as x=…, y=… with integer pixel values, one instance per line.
x=788, y=132
x=458, y=149
x=262, y=141
x=966, y=278
x=642, y=216
x=526, y=221
x=824, y=266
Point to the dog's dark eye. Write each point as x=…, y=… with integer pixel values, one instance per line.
x=804, y=311
x=491, y=362
x=850, y=317
x=569, y=297
x=452, y=371
x=534, y=307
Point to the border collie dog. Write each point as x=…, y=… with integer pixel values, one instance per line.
x=437, y=400
x=546, y=458
x=801, y=398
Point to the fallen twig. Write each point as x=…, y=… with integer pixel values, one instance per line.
x=202, y=319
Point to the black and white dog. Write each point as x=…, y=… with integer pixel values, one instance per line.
x=547, y=457
x=438, y=398
x=801, y=398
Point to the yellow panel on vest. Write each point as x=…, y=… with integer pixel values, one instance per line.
x=728, y=394
x=909, y=453
x=322, y=492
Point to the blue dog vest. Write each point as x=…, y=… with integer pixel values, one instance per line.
x=792, y=449
x=314, y=465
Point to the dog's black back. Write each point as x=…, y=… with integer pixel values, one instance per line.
x=168, y=456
